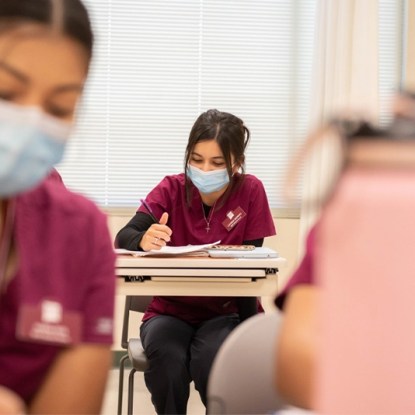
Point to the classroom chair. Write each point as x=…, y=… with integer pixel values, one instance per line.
x=135, y=352
x=242, y=376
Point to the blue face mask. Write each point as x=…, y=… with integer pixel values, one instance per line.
x=208, y=181
x=31, y=143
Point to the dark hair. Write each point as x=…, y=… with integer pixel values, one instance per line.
x=232, y=137
x=72, y=15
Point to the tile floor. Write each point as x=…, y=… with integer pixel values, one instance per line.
x=142, y=401
x=143, y=405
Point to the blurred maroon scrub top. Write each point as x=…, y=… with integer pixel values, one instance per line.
x=66, y=267
x=304, y=274
x=248, y=203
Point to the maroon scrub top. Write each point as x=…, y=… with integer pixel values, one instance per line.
x=304, y=274
x=188, y=224
x=65, y=256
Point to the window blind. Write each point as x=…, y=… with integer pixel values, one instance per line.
x=391, y=28
x=158, y=64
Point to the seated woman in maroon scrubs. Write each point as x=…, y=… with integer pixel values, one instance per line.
x=212, y=200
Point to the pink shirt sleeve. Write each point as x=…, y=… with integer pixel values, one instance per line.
x=365, y=267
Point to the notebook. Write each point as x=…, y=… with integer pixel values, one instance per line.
x=190, y=250
x=261, y=252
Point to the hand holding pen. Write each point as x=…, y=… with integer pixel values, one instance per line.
x=158, y=234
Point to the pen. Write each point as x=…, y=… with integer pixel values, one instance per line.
x=149, y=210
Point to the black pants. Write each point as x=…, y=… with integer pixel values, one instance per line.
x=179, y=353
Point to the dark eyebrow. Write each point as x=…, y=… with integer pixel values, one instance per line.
x=23, y=78
x=67, y=88
x=17, y=74
x=216, y=157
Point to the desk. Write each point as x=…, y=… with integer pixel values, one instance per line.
x=197, y=276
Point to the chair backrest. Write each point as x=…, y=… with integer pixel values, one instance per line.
x=137, y=303
x=242, y=376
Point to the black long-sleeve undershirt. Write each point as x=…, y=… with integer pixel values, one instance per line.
x=129, y=237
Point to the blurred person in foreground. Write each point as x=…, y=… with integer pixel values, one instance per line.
x=56, y=280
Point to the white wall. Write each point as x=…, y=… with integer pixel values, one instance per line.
x=285, y=242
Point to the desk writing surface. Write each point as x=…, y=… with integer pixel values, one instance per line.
x=198, y=276
x=198, y=262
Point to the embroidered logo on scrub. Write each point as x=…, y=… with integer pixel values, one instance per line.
x=233, y=217
x=48, y=323
x=104, y=326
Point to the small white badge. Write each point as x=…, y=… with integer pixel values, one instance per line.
x=51, y=312
x=104, y=326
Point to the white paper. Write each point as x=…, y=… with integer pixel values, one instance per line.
x=120, y=251
x=168, y=250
